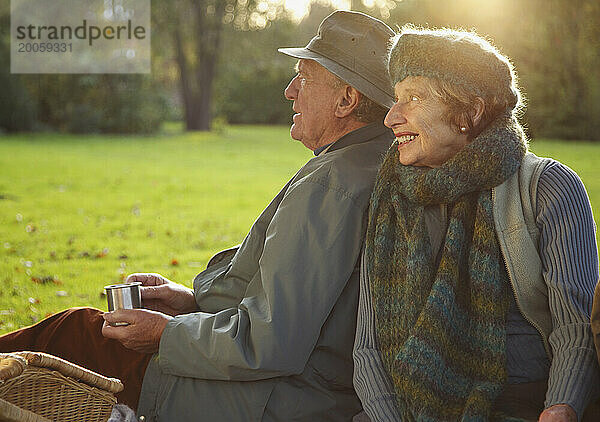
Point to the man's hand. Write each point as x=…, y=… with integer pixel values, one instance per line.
x=558, y=413
x=143, y=332
x=162, y=295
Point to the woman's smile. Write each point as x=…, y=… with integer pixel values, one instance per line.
x=405, y=138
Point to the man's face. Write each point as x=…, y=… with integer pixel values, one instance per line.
x=314, y=91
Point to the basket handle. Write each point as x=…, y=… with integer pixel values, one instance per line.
x=11, y=366
x=12, y=413
x=69, y=369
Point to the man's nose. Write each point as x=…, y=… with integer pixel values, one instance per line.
x=394, y=116
x=291, y=91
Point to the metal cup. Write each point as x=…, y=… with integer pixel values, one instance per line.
x=123, y=296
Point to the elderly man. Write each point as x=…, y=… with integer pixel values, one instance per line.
x=267, y=331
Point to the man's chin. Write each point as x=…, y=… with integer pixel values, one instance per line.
x=295, y=133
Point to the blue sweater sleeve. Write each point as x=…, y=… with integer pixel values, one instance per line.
x=570, y=268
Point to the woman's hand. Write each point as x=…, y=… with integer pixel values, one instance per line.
x=558, y=413
x=162, y=295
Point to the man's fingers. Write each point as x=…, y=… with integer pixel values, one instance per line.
x=147, y=279
x=121, y=315
x=136, y=277
x=117, y=333
x=154, y=292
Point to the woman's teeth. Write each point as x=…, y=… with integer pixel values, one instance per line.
x=405, y=139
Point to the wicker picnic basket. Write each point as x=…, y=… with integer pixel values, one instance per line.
x=37, y=387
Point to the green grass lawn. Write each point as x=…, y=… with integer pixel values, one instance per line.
x=80, y=212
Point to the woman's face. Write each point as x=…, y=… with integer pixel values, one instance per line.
x=424, y=138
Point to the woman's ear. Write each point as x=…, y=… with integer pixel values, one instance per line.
x=477, y=111
x=348, y=100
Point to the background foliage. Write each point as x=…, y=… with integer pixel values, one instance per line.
x=554, y=45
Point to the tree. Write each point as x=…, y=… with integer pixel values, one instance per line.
x=17, y=110
x=196, y=76
x=196, y=29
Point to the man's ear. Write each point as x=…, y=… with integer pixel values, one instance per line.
x=347, y=101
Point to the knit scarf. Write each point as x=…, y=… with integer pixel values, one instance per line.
x=441, y=328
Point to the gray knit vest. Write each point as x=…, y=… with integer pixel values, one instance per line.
x=518, y=236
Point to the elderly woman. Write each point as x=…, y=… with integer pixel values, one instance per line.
x=480, y=259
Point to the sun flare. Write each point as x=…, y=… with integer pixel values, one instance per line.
x=300, y=8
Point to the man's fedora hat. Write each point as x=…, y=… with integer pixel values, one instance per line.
x=353, y=46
